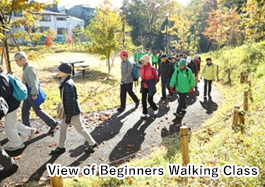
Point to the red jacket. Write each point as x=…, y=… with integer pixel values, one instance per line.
x=198, y=64
x=147, y=73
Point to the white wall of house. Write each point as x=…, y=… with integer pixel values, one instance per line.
x=72, y=22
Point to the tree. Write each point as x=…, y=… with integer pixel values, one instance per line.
x=7, y=8
x=48, y=41
x=105, y=32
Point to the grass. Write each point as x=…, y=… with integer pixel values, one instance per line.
x=218, y=144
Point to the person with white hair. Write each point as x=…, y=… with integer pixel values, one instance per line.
x=31, y=80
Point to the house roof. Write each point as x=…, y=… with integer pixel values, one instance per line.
x=75, y=18
x=52, y=13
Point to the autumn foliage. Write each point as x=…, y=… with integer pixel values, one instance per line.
x=48, y=41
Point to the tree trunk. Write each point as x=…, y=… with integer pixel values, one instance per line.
x=7, y=58
x=109, y=66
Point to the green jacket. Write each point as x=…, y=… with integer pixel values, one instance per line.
x=154, y=58
x=183, y=80
x=30, y=78
x=175, y=65
x=209, y=72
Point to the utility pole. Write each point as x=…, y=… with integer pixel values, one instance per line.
x=167, y=33
x=123, y=26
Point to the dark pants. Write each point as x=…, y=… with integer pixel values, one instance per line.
x=165, y=84
x=154, y=64
x=27, y=104
x=207, y=83
x=124, y=89
x=182, y=102
x=150, y=101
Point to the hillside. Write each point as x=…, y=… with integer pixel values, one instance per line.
x=216, y=144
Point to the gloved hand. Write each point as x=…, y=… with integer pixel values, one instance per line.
x=121, y=83
x=191, y=90
x=171, y=89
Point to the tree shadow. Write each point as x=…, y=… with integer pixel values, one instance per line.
x=209, y=105
x=20, y=151
x=39, y=172
x=104, y=132
x=131, y=142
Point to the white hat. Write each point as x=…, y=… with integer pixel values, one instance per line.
x=197, y=56
x=145, y=58
x=188, y=60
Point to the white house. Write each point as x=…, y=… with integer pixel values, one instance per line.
x=72, y=22
x=59, y=22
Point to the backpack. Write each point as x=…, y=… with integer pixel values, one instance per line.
x=20, y=92
x=3, y=107
x=135, y=70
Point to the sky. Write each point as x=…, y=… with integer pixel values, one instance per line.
x=116, y=3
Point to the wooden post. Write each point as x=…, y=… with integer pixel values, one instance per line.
x=249, y=89
x=56, y=181
x=246, y=100
x=184, y=145
x=217, y=73
x=235, y=117
x=241, y=117
x=242, y=77
x=246, y=77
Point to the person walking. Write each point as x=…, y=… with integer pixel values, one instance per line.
x=69, y=97
x=198, y=65
x=174, y=62
x=148, y=85
x=191, y=64
x=165, y=71
x=8, y=164
x=209, y=74
x=12, y=127
x=126, y=82
x=183, y=81
x=154, y=59
x=30, y=79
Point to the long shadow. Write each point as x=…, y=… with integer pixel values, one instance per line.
x=39, y=172
x=106, y=131
x=20, y=151
x=131, y=142
x=209, y=105
x=191, y=99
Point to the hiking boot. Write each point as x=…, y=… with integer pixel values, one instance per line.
x=144, y=116
x=4, y=173
x=156, y=112
x=13, y=148
x=32, y=133
x=90, y=149
x=57, y=151
x=52, y=129
x=120, y=109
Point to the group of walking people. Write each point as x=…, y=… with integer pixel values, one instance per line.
x=176, y=72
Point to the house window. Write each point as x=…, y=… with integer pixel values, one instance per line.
x=61, y=18
x=43, y=29
x=18, y=14
x=46, y=18
x=60, y=30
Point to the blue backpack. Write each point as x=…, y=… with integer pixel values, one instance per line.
x=135, y=70
x=20, y=92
